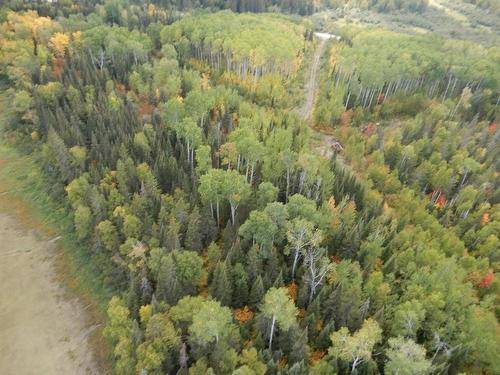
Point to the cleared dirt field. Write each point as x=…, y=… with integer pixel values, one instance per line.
x=44, y=328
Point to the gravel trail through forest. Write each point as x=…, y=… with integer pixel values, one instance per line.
x=323, y=143
x=307, y=108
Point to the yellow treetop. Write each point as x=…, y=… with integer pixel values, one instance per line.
x=58, y=43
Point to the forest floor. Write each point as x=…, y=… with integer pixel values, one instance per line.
x=50, y=304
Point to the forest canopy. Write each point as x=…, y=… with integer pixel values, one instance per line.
x=380, y=56
x=245, y=39
x=260, y=200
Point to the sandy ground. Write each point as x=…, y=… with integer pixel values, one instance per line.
x=44, y=327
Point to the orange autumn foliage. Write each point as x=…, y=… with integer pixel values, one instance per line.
x=120, y=88
x=370, y=129
x=316, y=356
x=282, y=363
x=58, y=65
x=485, y=219
x=243, y=315
x=335, y=259
x=345, y=118
x=441, y=201
x=487, y=280
x=492, y=128
x=292, y=290
x=146, y=109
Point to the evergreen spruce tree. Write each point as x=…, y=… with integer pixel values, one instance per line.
x=221, y=286
x=240, y=286
x=168, y=288
x=193, y=240
x=208, y=226
x=214, y=256
x=257, y=292
x=299, y=351
x=254, y=263
x=172, y=240
x=278, y=282
x=134, y=294
x=229, y=235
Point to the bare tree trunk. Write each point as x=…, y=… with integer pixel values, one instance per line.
x=251, y=174
x=233, y=213
x=355, y=364
x=347, y=100
x=447, y=87
x=272, y=332
x=218, y=220
x=371, y=98
x=287, y=183
x=295, y=261
x=458, y=105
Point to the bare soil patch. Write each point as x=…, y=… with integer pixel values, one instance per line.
x=43, y=326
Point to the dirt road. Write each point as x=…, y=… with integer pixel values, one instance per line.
x=321, y=141
x=307, y=108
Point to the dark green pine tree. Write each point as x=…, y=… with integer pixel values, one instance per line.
x=254, y=263
x=240, y=286
x=235, y=254
x=278, y=282
x=214, y=255
x=229, y=235
x=193, y=239
x=134, y=294
x=60, y=156
x=209, y=228
x=163, y=219
x=146, y=291
x=168, y=288
x=312, y=317
x=299, y=349
x=221, y=287
x=323, y=340
x=172, y=240
x=256, y=293
x=272, y=269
